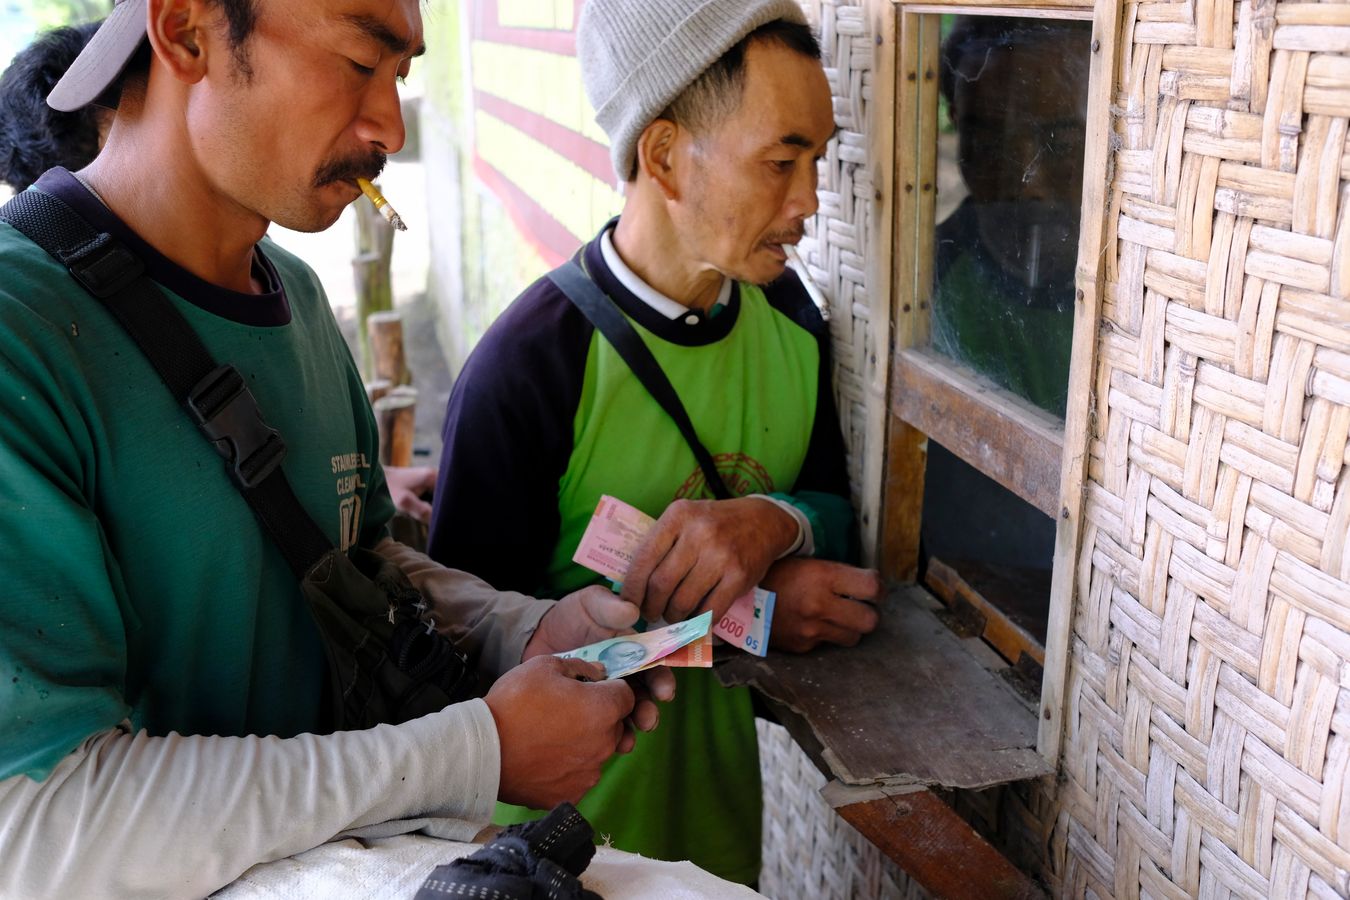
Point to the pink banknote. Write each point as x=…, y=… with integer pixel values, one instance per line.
x=613, y=534
x=612, y=537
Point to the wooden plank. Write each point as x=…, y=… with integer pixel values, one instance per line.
x=881, y=19
x=1082, y=13
x=1093, y=249
x=395, y=416
x=1011, y=640
x=924, y=137
x=914, y=55
x=995, y=7
x=911, y=704
x=385, y=333
x=902, y=503
x=1005, y=437
x=939, y=849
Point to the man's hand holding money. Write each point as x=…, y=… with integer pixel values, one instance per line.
x=594, y=614
x=556, y=729
x=704, y=554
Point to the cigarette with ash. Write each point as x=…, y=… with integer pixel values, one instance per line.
x=381, y=204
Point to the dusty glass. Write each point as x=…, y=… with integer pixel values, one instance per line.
x=1010, y=178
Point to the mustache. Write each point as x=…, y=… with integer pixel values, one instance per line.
x=786, y=237
x=350, y=168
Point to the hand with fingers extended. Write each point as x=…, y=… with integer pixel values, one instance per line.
x=582, y=617
x=703, y=554
x=821, y=601
x=558, y=722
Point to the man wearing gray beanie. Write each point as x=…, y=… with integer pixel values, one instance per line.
x=717, y=112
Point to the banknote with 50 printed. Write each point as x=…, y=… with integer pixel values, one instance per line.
x=607, y=547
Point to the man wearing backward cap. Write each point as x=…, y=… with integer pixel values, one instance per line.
x=160, y=673
x=717, y=112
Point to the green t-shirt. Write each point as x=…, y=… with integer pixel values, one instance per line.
x=690, y=789
x=545, y=417
x=139, y=584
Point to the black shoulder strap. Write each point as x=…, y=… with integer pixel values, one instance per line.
x=216, y=397
x=610, y=321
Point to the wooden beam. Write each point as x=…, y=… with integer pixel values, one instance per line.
x=1077, y=12
x=913, y=188
x=395, y=417
x=1011, y=640
x=880, y=127
x=389, y=361
x=995, y=7
x=939, y=849
x=1005, y=437
x=902, y=503
x=1093, y=248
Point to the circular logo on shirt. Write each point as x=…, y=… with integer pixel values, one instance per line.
x=742, y=474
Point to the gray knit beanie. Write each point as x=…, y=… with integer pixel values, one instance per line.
x=637, y=56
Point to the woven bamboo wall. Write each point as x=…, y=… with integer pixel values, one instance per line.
x=808, y=850
x=1208, y=721
x=836, y=246
x=1208, y=740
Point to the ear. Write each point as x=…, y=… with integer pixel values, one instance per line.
x=656, y=148
x=178, y=37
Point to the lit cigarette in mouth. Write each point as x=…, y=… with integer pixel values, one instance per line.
x=381, y=204
x=805, y=275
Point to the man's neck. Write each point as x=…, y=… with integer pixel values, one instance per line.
x=650, y=247
x=166, y=201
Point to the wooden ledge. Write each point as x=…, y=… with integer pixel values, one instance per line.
x=913, y=706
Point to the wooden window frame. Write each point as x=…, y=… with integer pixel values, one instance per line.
x=883, y=759
x=1026, y=450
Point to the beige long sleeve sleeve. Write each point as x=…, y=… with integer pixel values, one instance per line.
x=129, y=815
x=495, y=625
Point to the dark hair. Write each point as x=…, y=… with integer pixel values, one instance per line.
x=716, y=93
x=35, y=137
x=241, y=17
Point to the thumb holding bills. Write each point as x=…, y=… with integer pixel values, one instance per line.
x=582, y=617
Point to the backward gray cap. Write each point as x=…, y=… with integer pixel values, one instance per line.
x=637, y=56
x=102, y=60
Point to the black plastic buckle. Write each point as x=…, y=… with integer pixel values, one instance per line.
x=103, y=265
x=225, y=411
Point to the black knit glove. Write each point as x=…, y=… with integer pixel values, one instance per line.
x=532, y=861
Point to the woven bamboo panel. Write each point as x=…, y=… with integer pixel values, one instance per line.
x=1208, y=718
x=808, y=850
x=836, y=244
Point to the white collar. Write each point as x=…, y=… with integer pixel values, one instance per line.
x=649, y=295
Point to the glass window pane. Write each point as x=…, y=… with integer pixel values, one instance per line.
x=1010, y=178
x=1001, y=545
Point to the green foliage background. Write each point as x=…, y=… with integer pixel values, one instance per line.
x=46, y=14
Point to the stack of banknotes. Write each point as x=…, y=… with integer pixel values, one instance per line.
x=686, y=643
x=607, y=547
